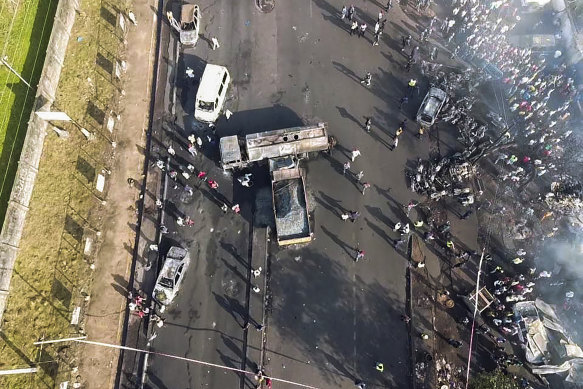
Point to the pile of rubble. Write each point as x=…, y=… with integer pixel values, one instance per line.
x=448, y=177
x=566, y=195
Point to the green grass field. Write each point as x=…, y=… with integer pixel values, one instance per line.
x=25, y=28
x=51, y=275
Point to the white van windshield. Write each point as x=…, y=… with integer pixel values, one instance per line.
x=206, y=106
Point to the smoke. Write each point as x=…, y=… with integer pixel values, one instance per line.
x=565, y=259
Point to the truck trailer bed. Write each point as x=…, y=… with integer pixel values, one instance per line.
x=291, y=212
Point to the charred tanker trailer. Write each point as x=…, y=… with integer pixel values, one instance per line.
x=283, y=149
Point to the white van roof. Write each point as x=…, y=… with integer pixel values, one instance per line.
x=210, y=82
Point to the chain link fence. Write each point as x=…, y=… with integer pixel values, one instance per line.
x=24, y=181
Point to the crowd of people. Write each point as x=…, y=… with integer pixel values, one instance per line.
x=536, y=93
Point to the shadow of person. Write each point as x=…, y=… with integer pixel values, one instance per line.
x=346, y=247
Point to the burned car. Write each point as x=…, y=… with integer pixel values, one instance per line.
x=430, y=107
x=171, y=276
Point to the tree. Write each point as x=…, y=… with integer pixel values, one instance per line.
x=493, y=380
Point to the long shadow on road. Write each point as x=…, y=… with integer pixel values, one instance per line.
x=233, y=307
x=337, y=319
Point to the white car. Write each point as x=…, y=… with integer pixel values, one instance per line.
x=189, y=24
x=211, y=93
x=170, y=278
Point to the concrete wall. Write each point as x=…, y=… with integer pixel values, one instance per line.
x=33, y=146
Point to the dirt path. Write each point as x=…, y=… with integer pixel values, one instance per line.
x=108, y=298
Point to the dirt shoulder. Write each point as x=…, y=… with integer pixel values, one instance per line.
x=113, y=263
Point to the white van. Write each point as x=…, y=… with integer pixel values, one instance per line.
x=211, y=93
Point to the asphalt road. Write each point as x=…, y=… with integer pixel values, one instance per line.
x=330, y=318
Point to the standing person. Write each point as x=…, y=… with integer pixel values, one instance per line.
x=432, y=22
x=444, y=24
x=380, y=366
x=355, y=153
x=404, y=100
x=362, y=29
x=377, y=36
x=344, y=13
x=245, y=180
x=414, y=52
x=389, y=5
x=368, y=123
x=381, y=16
x=403, y=124
x=351, y=14
x=405, y=41
x=408, y=65
x=353, y=27
x=359, y=175
x=215, y=42
x=410, y=206
x=399, y=131
x=365, y=186
x=192, y=149
x=420, y=132
x=411, y=86
x=345, y=167
x=377, y=27
x=353, y=215
x=359, y=255
x=433, y=54
x=366, y=80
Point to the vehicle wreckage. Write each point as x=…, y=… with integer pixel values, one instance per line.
x=451, y=176
x=566, y=195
